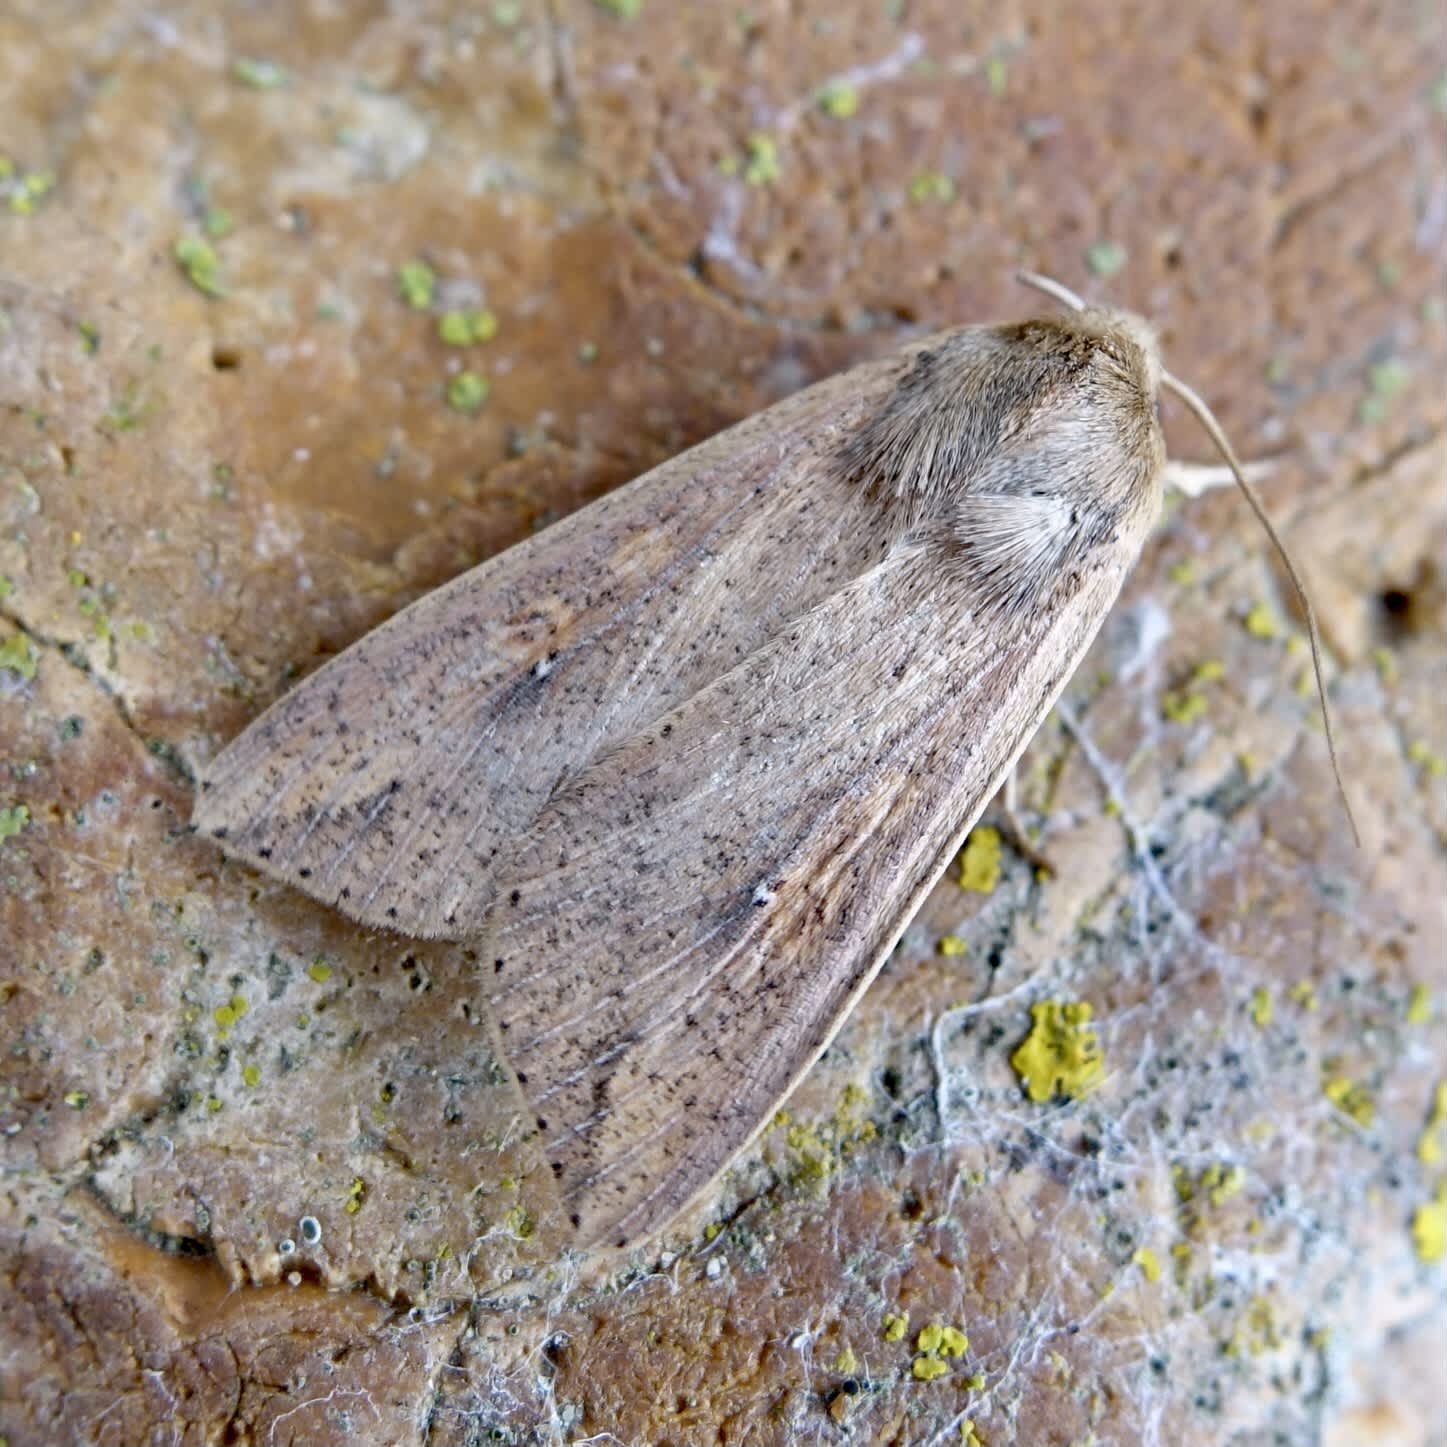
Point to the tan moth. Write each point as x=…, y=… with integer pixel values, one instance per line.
x=682, y=766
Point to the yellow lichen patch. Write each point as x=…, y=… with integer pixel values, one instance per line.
x=1429, y=1228
x=1421, y=753
x=894, y=1327
x=761, y=159
x=228, y=1014
x=519, y=1223
x=1061, y=1055
x=1303, y=992
x=1429, y=1144
x=1351, y=1098
x=1419, y=1005
x=1260, y=622
x=980, y=860
x=1257, y=1331
x=1209, y=1189
x=1183, y=705
x=937, y=1340
x=1149, y=1263
x=251, y=1075
x=77, y=1099
x=968, y=1435
x=850, y=1122
x=926, y=1369
x=356, y=1194
x=951, y=945
x=1220, y=1184
x=846, y=1362
x=817, y=1148
x=1260, y=1007
x=839, y=99
x=319, y=971
x=1188, y=703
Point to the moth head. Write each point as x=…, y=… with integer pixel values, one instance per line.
x=1137, y=337
x=1203, y=414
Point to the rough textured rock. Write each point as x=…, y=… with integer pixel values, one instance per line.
x=677, y=214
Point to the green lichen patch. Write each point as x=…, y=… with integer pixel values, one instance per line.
x=17, y=654
x=466, y=328
x=416, y=284
x=1386, y=380
x=1105, y=257
x=257, y=74
x=931, y=186
x=1061, y=1055
x=467, y=391
x=200, y=264
x=14, y=819
x=23, y=190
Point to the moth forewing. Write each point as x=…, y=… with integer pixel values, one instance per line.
x=389, y=783
x=801, y=662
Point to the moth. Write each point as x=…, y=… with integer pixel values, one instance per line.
x=682, y=766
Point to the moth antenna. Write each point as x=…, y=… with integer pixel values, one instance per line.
x=1051, y=287
x=1206, y=418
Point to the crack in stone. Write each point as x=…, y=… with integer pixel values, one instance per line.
x=70, y=651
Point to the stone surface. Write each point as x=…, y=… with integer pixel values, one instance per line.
x=678, y=214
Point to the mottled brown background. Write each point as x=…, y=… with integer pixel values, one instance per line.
x=202, y=496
